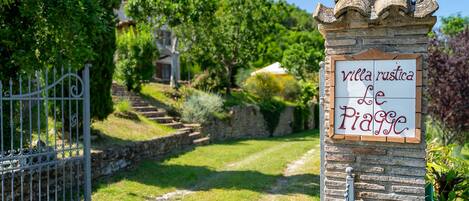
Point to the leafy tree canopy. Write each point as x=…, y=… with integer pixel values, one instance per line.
x=448, y=86
x=453, y=25
x=228, y=35
x=37, y=35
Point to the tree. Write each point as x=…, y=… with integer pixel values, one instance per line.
x=453, y=25
x=35, y=35
x=294, y=41
x=448, y=86
x=302, y=58
x=239, y=28
x=182, y=17
x=136, y=51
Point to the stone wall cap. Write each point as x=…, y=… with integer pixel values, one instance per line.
x=374, y=9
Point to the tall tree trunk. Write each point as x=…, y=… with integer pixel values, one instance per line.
x=229, y=72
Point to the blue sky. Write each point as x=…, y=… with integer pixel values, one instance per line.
x=447, y=7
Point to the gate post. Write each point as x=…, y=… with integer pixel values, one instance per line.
x=86, y=131
x=372, y=116
x=322, y=76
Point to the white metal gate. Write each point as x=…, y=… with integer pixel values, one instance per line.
x=45, y=136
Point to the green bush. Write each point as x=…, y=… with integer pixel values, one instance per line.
x=200, y=106
x=271, y=110
x=448, y=173
x=210, y=81
x=136, y=51
x=301, y=117
x=123, y=106
x=309, y=90
x=242, y=76
x=263, y=85
x=290, y=88
x=123, y=109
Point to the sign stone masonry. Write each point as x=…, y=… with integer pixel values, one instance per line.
x=375, y=73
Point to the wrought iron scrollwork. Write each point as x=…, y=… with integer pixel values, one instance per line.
x=76, y=88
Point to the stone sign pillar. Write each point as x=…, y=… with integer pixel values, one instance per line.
x=375, y=71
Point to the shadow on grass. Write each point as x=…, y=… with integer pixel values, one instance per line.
x=153, y=173
x=199, y=178
x=297, y=137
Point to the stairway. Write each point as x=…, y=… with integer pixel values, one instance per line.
x=160, y=115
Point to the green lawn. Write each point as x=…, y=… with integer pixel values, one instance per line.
x=118, y=131
x=236, y=170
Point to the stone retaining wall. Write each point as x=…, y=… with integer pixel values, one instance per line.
x=248, y=122
x=103, y=163
x=108, y=161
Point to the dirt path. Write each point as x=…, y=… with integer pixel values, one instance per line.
x=180, y=194
x=285, y=184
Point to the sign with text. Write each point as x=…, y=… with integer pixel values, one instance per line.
x=376, y=99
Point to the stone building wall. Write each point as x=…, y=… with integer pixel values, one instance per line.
x=382, y=170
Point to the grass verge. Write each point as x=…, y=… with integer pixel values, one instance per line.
x=235, y=170
x=118, y=131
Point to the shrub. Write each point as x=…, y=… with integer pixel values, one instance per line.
x=309, y=90
x=210, y=81
x=200, y=106
x=242, y=76
x=448, y=173
x=448, y=86
x=290, y=88
x=123, y=106
x=301, y=117
x=271, y=110
x=263, y=85
x=124, y=110
x=136, y=51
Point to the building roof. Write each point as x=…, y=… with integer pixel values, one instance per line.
x=275, y=68
x=374, y=9
x=166, y=59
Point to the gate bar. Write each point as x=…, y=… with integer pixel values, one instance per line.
x=86, y=131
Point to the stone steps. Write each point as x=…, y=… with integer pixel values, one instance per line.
x=160, y=116
x=153, y=114
x=145, y=109
x=196, y=135
x=162, y=120
x=202, y=141
x=194, y=127
x=139, y=104
x=185, y=129
x=175, y=125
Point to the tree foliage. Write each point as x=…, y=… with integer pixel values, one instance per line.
x=448, y=86
x=263, y=85
x=136, y=51
x=303, y=57
x=225, y=36
x=294, y=41
x=37, y=35
x=237, y=29
x=454, y=25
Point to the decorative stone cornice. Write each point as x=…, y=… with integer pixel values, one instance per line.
x=375, y=10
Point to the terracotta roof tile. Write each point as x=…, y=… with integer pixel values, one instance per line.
x=374, y=9
x=383, y=5
x=361, y=6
